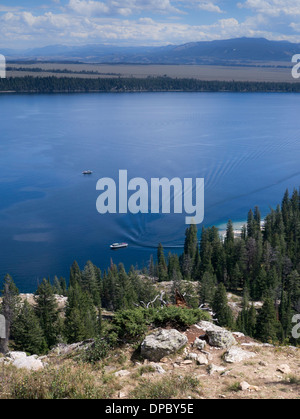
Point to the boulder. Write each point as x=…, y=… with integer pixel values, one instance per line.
x=16, y=355
x=31, y=363
x=217, y=336
x=236, y=354
x=162, y=343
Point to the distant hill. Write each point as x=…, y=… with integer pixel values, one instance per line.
x=240, y=51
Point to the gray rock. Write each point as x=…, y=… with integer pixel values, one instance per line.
x=202, y=360
x=162, y=343
x=158, y=368
x=217, y=336
x=212, y=369
x=16, y=355
x=236, y=354
x=30, y=363
x=220, y=338
x=192, y=356
x=199, y=344
x=122, y=373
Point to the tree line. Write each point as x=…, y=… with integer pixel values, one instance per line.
x=262, y=264
x=54, y=84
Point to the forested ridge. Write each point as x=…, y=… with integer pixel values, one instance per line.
x=30, y=84
x=262, y=264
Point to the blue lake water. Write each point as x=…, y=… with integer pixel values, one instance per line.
x=246, y=146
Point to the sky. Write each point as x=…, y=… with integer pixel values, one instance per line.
x=38, y=23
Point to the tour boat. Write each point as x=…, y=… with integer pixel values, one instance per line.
x=87, y=172
x=116, y=246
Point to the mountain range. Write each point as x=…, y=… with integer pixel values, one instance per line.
x=240, y=51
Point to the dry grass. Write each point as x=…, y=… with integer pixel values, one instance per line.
x=200, y=72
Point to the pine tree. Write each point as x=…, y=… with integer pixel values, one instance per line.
x=267, y=325
x=28, y=334
x=221, y=308
x=90, y=282
x=75, y=275
x=81, y=321
x=251, y=322
x=162, y=266
x=46, y=309
x=207, y=288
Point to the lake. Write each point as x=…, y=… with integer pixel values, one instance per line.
x=245, y=146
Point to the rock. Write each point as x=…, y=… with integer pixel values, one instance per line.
x=238, y=334
x=158, y=368
x=284, y=369
x=199, y=344
x=30, y=363
x=122, y=395
x=122, y=373
x=236, y=354
x=244, y=386
x=187, y=362
x=16, y=355
x=220, y=338
x=202, y=360
x=192, y=356
x=208, y=355
x=162, y=343
x=217, y=336
x=64, y=349
x=212, y=369
x=263, y=364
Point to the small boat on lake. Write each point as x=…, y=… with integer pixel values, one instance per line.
x=117, y=246
x=87, y=172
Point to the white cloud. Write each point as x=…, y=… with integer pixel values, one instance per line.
x=209, y=6
x=122, y=22
x=120, y=7
x=273, y=8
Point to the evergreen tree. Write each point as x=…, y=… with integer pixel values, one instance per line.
x=28, y=334
x=207, y=288
x=221, y=308
x=75, y=275
x=90, y=282
x=267, y=325
x=46, y=309
x=81, y=317
x=162, y=266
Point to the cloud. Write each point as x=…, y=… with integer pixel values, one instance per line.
x=273, y=8
x=142, y=22
x=209, y=6
x=120, y=7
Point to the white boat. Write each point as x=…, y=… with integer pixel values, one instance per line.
x=87, y=172
x=117, y=246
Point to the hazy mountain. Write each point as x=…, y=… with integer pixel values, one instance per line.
x=232, y=51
